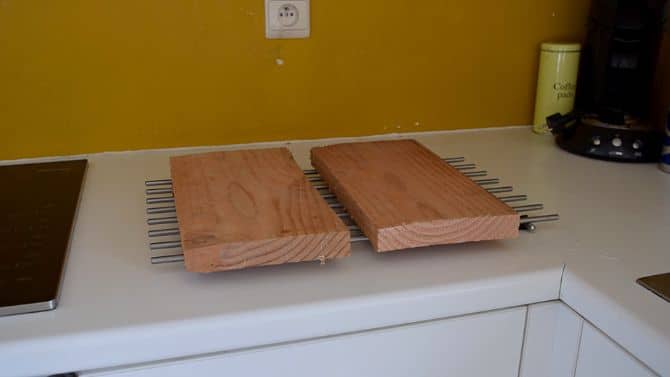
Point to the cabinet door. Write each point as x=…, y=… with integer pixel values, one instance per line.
x=486, y=344
x=599, y=356
x=552, y=340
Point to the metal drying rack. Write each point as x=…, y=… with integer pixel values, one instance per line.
x=165, y=244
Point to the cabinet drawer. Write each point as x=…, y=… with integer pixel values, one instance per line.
x=485, y=344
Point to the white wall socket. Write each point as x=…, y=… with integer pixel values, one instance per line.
x=286, y=19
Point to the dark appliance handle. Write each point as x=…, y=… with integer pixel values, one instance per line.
x=558, y=123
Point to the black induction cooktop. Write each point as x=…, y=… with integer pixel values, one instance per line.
x=38, y=204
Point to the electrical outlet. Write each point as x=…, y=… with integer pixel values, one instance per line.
x=285, y=19
x=288, y=15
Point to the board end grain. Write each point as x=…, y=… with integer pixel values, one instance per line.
x=240, y=255
x=444, y=232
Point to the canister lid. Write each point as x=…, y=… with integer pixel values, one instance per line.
x=560, y=47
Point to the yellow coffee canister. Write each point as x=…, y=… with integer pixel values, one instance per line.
x=556, y=82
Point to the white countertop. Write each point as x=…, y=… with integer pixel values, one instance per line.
x=116, y=308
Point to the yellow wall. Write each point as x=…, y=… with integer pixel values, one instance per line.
x=98, y=75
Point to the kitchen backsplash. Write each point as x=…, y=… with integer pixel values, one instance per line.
x=90, y=76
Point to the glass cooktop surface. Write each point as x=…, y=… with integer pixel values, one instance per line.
x=38, y=204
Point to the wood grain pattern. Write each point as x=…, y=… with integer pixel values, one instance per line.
x=402, y=195
x=251, y=208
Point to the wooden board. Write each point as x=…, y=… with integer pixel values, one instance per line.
x=402, y=195
x=251, y=208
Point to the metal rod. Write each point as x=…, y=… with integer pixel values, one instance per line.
x=450, y=160
x=328, y=196
x=320, y=186
x=162, y=220
x=155, y=210
x=314, y=178
x=487, y=181
x=513, y=198
x=528, y=207
x=164, y=245
x=539, y=219
x=495, y=190
x=158, y=182
x=464, y=166
x=480, y=173
x=156, y=191
x=164, y=199
x=167, y=259
x=163, y=232
x=356, y=235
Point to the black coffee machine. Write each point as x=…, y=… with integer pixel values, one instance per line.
x=612, y=104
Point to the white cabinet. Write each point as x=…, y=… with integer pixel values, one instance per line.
x=560, y=343
x=557, y=342
x=599, y=356
x=485, y=344
x=551, y=343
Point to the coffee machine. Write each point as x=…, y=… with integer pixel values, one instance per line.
x=611, y=120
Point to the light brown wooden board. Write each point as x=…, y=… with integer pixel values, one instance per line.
x=249, y=208
x=402, y=195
